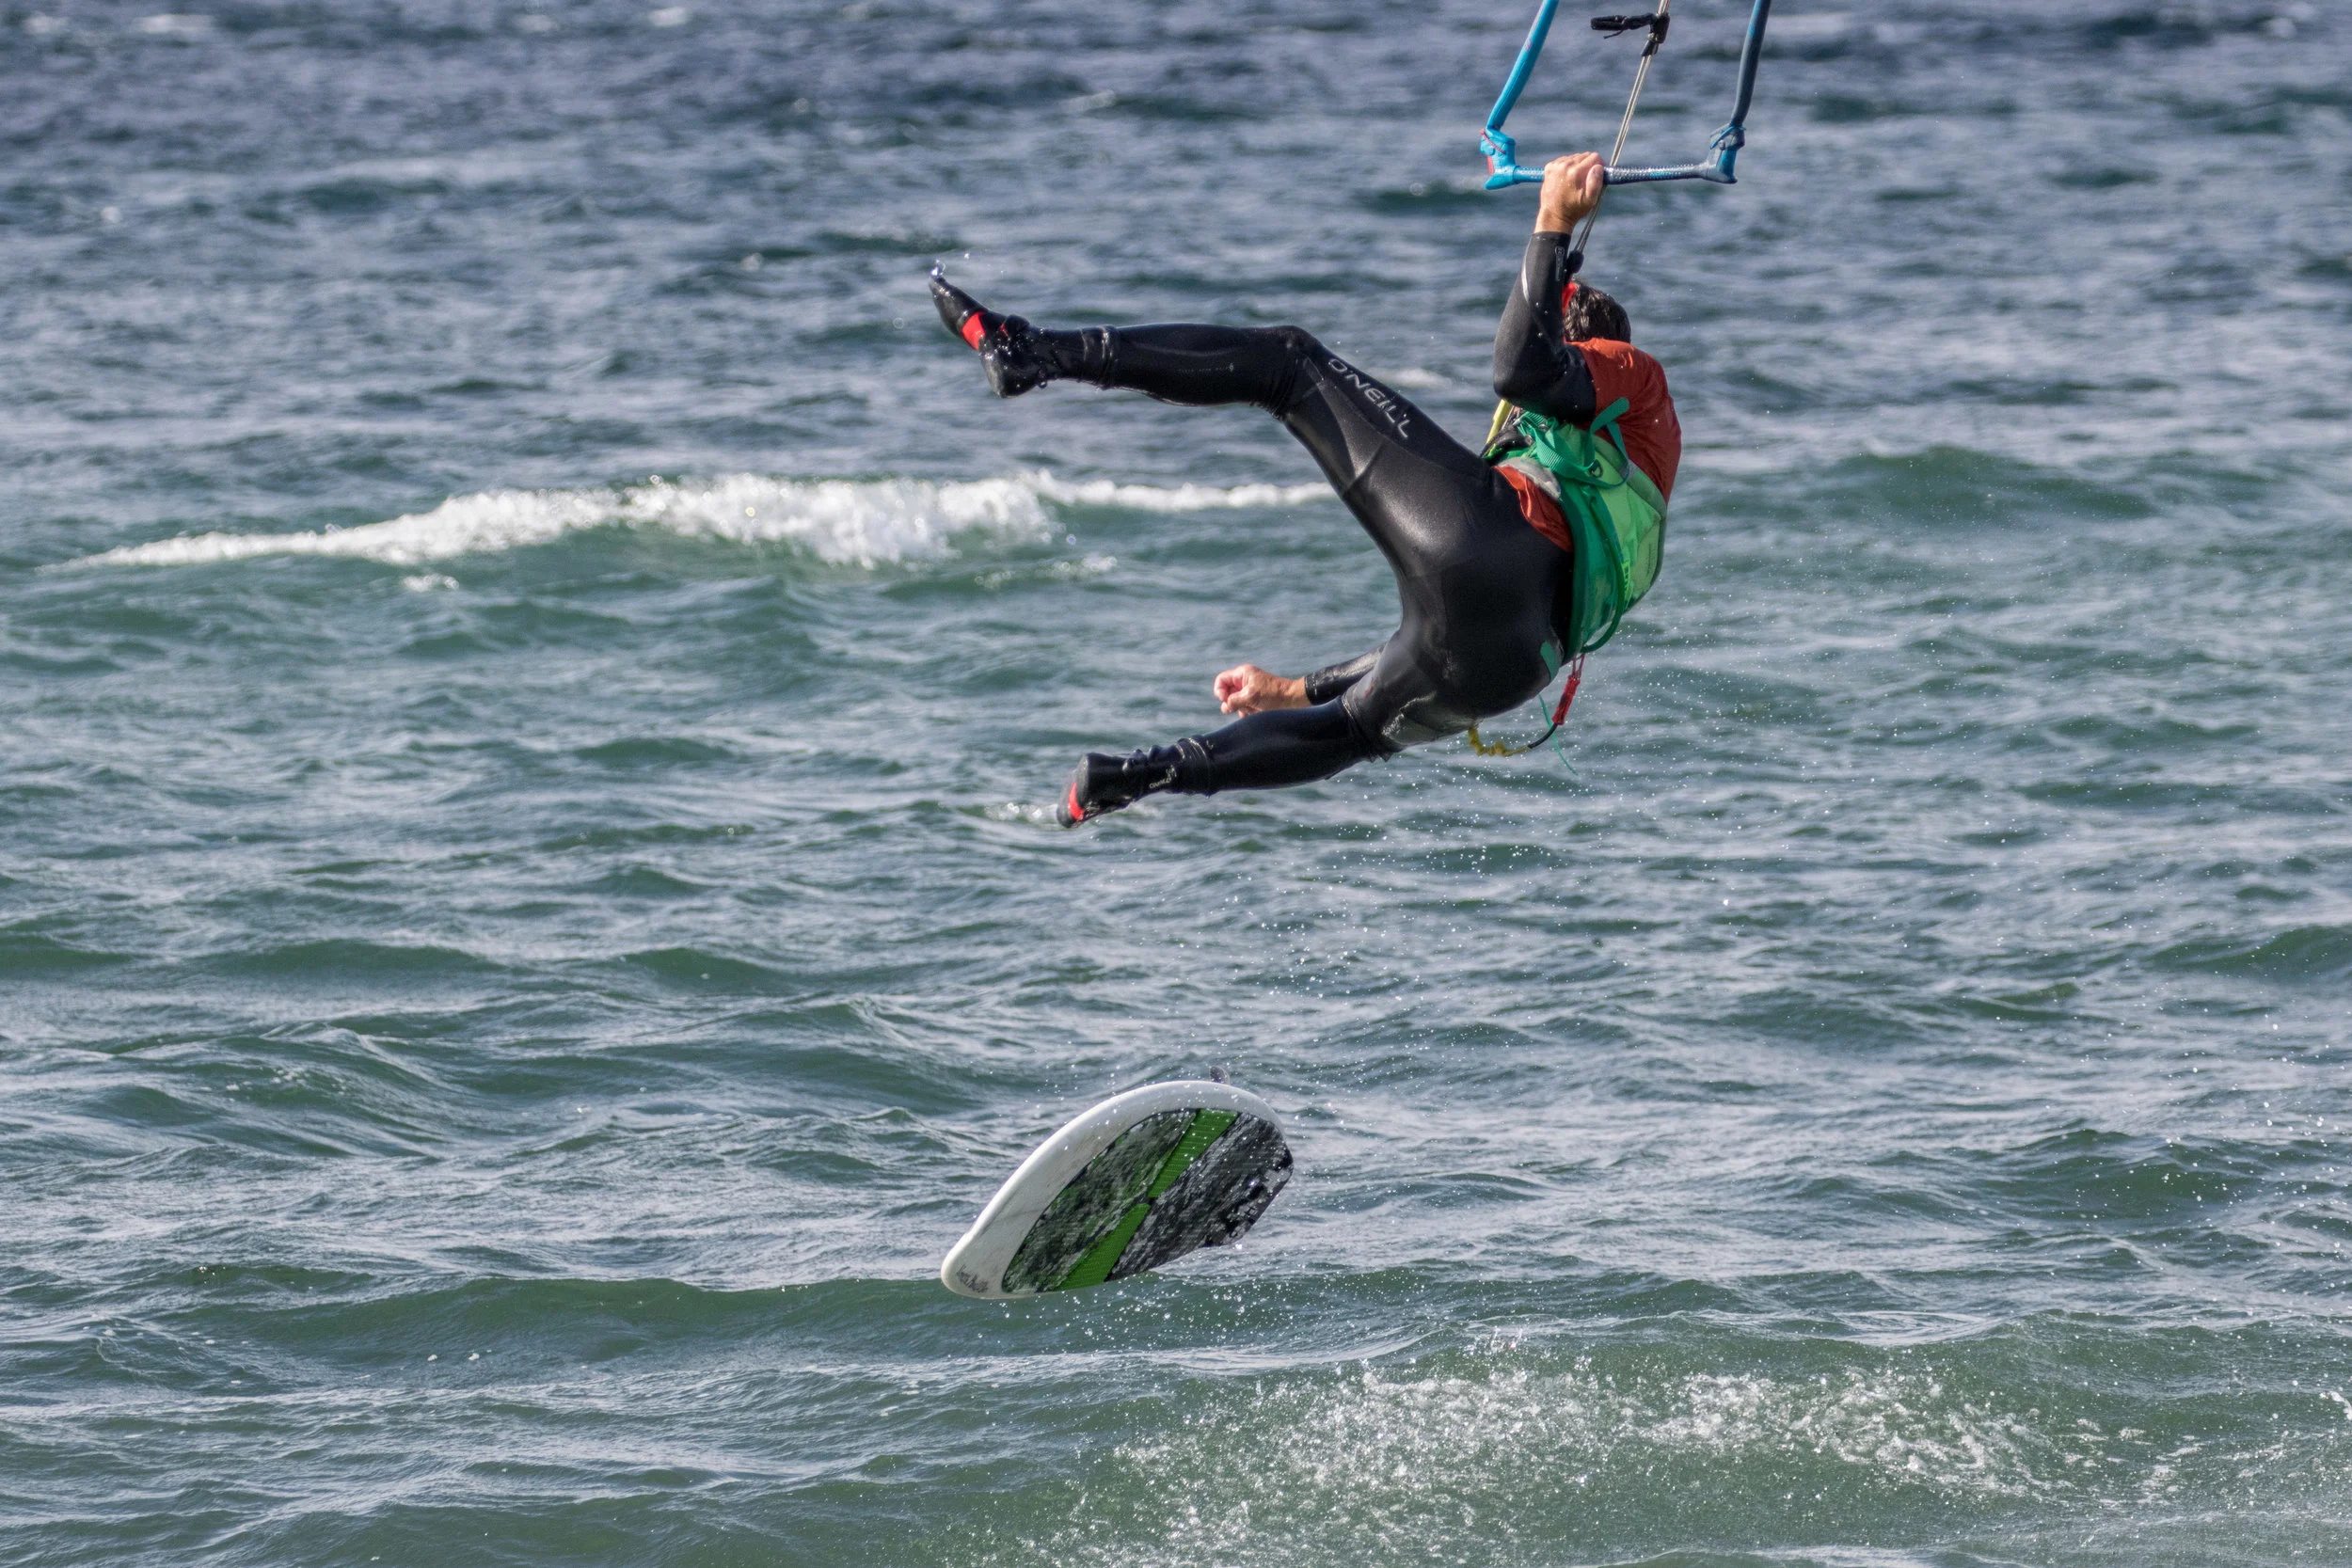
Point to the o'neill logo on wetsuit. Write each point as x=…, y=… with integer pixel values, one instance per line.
x=1374, y=394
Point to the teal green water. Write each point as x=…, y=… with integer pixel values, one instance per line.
x=533, y=673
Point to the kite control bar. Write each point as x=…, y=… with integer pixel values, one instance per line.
x=1502, y=151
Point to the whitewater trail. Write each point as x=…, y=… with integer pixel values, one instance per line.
x=845, y=522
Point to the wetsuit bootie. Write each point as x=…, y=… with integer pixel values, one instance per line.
x=1010, y=349
x=1104, y=783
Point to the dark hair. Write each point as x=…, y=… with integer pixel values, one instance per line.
x=1593, y=314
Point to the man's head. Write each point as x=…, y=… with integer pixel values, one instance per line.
x=1590, y=313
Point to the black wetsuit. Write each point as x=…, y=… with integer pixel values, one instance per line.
x=1477, y=583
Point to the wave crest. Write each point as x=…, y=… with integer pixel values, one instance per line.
x=846, y=522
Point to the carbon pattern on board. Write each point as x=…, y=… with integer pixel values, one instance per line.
x=1217, y=1199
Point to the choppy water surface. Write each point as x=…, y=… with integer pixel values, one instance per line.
x=531, y=668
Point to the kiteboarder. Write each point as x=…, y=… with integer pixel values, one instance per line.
x=1508, y=564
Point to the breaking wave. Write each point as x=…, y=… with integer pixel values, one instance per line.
x=848, y=522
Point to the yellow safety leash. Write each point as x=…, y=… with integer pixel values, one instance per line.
x=1559, y=716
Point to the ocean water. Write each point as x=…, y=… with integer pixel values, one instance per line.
x=531, y=671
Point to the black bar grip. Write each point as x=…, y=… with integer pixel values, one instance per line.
x=1654, y=24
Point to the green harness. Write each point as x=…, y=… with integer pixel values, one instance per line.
x=1617, y=521
x=1615, y=514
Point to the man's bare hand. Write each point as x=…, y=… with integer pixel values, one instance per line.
x=1247, y=688
x=1572, y=187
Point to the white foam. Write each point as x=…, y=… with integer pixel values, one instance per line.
x=860, y=522
x=1813, y=27
x=1429, y=1462
x=1181, y=497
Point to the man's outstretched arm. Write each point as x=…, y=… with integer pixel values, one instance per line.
x=1534, y=367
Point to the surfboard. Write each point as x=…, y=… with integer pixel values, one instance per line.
x=1137, y=1181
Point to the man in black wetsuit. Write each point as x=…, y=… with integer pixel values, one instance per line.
x=1480, y=563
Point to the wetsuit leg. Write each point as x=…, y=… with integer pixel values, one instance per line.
x=1287, y=746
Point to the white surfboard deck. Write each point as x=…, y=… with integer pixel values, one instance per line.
x=1201, y=1164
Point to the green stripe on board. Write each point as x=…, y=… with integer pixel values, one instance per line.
x=1095, y=1267
x=1198, y=1137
